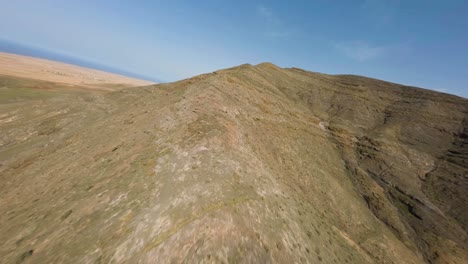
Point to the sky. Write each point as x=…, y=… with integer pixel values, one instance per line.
x=422, y=43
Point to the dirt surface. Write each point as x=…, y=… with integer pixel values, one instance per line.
x=66, y=74
x=254, y=164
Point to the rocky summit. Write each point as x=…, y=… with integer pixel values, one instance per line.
x=253, y=164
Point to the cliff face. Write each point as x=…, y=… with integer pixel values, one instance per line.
x=249, y=164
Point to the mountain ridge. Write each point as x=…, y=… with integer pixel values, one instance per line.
x=246, y=164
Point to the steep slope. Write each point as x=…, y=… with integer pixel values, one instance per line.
x=249, y=164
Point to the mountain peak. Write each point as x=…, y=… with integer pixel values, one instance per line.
x=267, y=65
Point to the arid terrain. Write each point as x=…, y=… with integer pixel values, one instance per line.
x=69, y=75
x=253, y=164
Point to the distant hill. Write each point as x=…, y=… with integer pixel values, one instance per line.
x=253, y=164
x=53, y=71
x=25, y=50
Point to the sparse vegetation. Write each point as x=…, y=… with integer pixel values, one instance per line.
x=254, y=164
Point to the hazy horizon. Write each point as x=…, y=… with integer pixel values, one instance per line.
x=417, y=44
x=25, y=50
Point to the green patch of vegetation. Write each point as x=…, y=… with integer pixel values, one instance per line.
x=8, y=94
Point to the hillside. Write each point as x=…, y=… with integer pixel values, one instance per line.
x=66, y=74
x=253, y=164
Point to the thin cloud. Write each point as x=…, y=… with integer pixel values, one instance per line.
x=361, y=50
x=380, y=12
x=274, y=27
x=267, y=14
x=278, y=34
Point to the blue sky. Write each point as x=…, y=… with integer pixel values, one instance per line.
x=414, y=42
